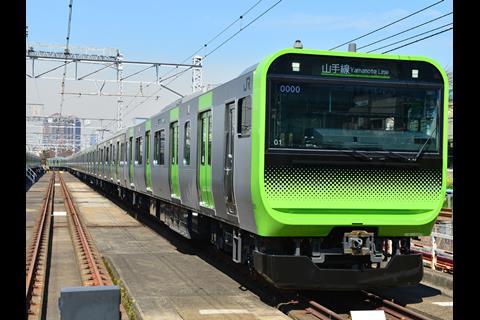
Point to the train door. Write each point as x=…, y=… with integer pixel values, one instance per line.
x=123, y=161
x=205, y=160
x=104, y=149
x=111, y=163
x=117, y=161
x=97, y=157
x=229, y=158
x=130, y=162
x=148, y=176
x=174, y=183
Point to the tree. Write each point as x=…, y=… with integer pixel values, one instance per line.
x=449, y=72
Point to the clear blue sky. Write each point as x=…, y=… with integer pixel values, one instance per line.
x=170, y=31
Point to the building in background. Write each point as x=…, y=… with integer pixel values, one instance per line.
x=62, y=134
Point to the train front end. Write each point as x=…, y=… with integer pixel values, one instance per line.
x=349, y=156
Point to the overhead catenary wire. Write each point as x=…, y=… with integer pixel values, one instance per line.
x=212, y=39
x=388, y=25
x=223, y=31
x=407, y=44
x=209, y=53
x=175, y=76
x=414, y=36
x=243, y=28
x=404, y=31
x=172, y=76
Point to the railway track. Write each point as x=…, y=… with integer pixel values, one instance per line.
x=365, y=301
x=37, y=255
x=90, y=265
x=446, y=213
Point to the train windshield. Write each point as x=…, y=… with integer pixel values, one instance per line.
x=363, y=116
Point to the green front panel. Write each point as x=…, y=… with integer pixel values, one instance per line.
x=302, y=201
x=174, y=182
x=205, y=168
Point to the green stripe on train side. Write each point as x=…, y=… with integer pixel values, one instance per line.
x=174, y=177
x=271, y=222
x=205, y=168
x=174, y=114
x=205, y=101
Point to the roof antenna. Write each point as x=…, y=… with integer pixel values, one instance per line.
x=352, y=47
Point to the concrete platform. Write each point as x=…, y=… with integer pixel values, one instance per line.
x=439, y=280
x=166, y=279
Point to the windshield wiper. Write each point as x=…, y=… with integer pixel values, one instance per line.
x=395, y=155
x=423, y=147
x=356, y=154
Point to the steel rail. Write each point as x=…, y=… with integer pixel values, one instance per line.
x=394, y=309
x=85, y=246
x=97, y=274
x=39, y=249
x=446, y=212
x=321, y=312
x=390, y=308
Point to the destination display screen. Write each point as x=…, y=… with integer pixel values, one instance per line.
x=355, y=68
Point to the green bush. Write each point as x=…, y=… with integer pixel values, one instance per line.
x=449, y=183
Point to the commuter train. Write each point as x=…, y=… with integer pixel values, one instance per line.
x=315, y=168
x=55, y=162
x=33, y=169
x=32, y=160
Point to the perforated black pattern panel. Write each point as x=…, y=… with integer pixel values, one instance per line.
x=317, y=185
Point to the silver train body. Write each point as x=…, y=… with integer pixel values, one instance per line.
x=87, y=161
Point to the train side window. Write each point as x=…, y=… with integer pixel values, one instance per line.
x=173, y=142
x=122, y=153
x=161, y=147
x=118, y=151
x=186, y=145
x=202, y=139
x=138, y=151
x=147, y=147
x=156, y=137
x=106, y=155
x=209, y=156
x=130, y=149
x=112, y=153
x=244, y=118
